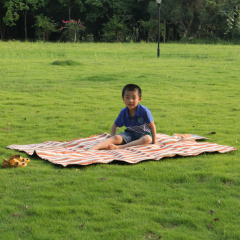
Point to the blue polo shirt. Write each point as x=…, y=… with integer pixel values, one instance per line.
x=138, y=123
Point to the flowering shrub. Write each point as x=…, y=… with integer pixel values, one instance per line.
x=72, y=28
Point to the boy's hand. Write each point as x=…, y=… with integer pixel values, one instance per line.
x=153, y=131
x=114, y=130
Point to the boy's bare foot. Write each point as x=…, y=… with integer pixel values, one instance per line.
x=112, y=147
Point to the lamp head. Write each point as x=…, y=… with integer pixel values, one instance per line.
x=159, y=1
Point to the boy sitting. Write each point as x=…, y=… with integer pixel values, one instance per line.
x=136, y=118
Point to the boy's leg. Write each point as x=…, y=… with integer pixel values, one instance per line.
x=147, y=139
x=116, y=140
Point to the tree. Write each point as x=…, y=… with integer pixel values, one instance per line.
x=230, y=12
x=115, y=30
x=191, y=18
x=186, y=14
x=99, y=12
x=45, y=26
x=2, y=14
x=150, y=27
x=16, y=7
x=70, y=4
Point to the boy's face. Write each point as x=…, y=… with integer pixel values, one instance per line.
x=131, y=99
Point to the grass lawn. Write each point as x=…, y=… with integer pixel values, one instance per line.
x=63, y=91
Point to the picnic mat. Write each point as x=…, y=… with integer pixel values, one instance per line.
x=76, y=151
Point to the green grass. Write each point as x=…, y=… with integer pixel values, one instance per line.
x=62, y=91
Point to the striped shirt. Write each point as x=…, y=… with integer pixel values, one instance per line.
x=138, y=123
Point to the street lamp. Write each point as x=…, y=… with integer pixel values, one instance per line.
x=159, y=4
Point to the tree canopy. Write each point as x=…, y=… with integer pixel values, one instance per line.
x=119, y=20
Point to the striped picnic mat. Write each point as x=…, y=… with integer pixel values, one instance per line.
x=75, y=151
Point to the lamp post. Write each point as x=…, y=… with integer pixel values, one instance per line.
x=159, y=4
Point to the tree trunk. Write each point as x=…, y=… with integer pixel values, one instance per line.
x=25, y=24
x=187, y=28
x=164, y=34
x=149, y=34
x=1, y=30
x=117, y=36
x=75, y=37
x=85, y=35
x=199, y=29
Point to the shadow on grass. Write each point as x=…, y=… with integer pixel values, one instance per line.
x=66, y=63
x=102, y=78
x=122, y=163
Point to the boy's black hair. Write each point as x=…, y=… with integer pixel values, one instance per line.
x=132, y=87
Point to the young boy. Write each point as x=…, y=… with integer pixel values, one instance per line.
x=138, y=119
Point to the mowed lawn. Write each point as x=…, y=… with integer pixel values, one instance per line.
x=63, y=91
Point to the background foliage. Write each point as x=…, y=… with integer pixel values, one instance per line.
x=124, y=20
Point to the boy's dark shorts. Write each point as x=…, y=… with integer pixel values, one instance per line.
x=129, y=136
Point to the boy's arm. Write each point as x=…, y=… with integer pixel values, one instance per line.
x=114, y=129
x=153, y=131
